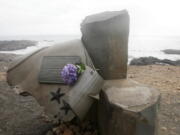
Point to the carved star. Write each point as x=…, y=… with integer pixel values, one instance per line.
x=66, y=107
x=57, y=96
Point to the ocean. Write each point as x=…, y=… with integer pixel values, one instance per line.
x=139, y=46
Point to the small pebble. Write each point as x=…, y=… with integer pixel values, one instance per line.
x=164, y=128
x=68, y=132
x=49, y=133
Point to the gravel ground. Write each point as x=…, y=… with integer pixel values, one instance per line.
x=167, y=80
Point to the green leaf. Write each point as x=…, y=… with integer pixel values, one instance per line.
x=81, y=68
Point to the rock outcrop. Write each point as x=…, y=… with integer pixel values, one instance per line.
x=20, y=115
x=152, y=60
x=16, y=45
x=171, y=51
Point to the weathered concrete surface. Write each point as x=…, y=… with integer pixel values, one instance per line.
x=24, y=75
x=90, y=82
x=105, y=37
x=128, y=108
x=20, y=115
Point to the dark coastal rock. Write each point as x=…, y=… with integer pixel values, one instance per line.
x=20, y=115
x=7, y=57
x=144, y=61
x=171, y=51
x=105, y=37
x=16, y=45
x=152, y=60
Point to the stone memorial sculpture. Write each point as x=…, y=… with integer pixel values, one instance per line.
x=125, y=107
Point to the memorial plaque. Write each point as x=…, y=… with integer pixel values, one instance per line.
x=52, y=66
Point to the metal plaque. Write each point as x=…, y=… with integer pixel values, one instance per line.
x=52, y=66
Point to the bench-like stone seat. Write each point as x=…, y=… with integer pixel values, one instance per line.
x=127, y=108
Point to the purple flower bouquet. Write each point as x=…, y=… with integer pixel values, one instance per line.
x=71, y=72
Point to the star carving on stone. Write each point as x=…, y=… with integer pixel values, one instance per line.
x=66, y=107
x=57, y=96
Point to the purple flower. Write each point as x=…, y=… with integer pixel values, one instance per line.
x=69, y=74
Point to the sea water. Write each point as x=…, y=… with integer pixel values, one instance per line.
x=144, y=46
x=139, y=46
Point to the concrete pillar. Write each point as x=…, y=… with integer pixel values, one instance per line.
x=128, y=108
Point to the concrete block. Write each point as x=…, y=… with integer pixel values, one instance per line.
x=128, y=108
x=105, y=37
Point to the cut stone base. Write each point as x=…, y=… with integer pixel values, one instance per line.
x=127, y=108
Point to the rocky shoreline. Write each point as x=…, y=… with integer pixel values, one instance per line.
x=5, y=60
x=16, y=44
x=153, y=61
x=171, y=51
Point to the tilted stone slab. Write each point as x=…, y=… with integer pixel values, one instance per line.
x=105, y=37
x=89, y=83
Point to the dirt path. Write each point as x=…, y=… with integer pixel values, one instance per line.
x=167, y=80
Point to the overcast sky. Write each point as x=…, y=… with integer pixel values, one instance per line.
x=45, y=17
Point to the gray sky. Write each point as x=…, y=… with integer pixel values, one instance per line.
x=45, y=17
